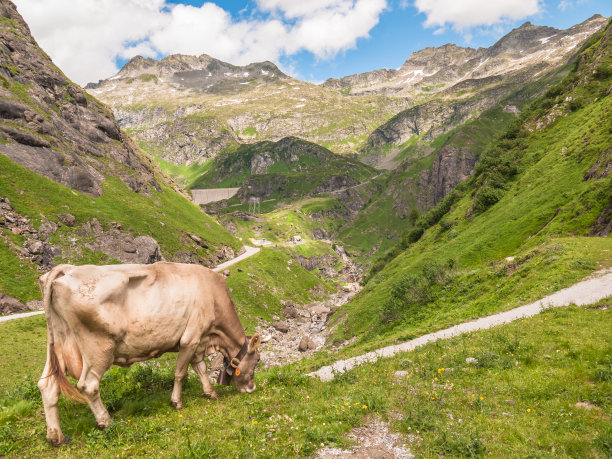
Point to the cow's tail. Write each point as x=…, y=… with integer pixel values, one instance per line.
x=55, y=369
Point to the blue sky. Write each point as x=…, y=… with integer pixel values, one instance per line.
x=309, y=39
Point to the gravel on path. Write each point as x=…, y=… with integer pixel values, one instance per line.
x=587, y=291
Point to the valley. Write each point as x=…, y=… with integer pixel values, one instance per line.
x=387, y=206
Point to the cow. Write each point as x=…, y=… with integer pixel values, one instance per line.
x=98, y=316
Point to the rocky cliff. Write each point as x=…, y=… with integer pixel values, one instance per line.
x=451, y=84
x=51, y=126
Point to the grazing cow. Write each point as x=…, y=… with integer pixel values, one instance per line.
x=98, y=316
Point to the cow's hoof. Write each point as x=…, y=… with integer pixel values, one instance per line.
x=57, y=439
x=213, y=395
x=177, y=405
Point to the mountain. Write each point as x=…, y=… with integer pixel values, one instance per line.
x=185, y=110
x=202, y=73
x=432, y=69
x=452, y=85
x=291, y=168
x=534, y=217
x=73, y=186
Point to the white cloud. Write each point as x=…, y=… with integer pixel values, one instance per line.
x=564, y=4
x=464, y=14
x=85, y=37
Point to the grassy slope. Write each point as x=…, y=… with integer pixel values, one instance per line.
x=304, y=164
x=258, y=284
x=378, y=225
x=35, y=196
x=547, y=167
x=541, y=388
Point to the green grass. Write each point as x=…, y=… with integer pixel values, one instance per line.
x=259, y=283
x=18, y=279
x=186, y=176
x=540, y=388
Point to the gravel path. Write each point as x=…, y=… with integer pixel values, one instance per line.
x=586, y=292
x=249, y=252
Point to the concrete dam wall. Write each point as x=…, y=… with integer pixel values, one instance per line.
x=206, y=195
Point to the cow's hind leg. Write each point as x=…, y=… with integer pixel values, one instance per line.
x=186, y=352
x=89, y=385
x=199, y=366
x=50, y=392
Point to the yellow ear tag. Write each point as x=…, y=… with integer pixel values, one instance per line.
x=237, y=371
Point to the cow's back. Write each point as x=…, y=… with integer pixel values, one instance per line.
x=144, y=309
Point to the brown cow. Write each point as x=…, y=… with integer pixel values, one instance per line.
x=98, y=316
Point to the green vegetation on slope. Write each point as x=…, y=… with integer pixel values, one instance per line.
x=259, y=283
x=540, y=186
x=539, y=387
x=290, y=167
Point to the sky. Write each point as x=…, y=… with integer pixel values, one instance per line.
x=311, y=40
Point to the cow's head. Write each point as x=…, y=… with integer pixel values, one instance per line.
x=244, y=376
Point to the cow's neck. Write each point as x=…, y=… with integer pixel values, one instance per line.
x=230, y=341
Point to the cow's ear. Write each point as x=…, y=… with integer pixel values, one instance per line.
x=254, y=343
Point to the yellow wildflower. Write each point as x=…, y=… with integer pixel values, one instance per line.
x=180, y=415
x=254, y=422
x=407, y=376
x=435, y=379
x=364, y=406
x=481, y=398
x=346, y=404
x=529, y=410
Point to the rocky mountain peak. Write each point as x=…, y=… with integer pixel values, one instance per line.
x=203, y=73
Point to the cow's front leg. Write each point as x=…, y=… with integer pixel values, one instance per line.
x=182, y=365
x=200, y=369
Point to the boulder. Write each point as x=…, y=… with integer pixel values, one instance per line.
x=306, y=343
x=10, y=305
x=291, y=312
x=49, y=254
x=36, y=248
x=282, y=327
x=147, y=250
x=67, y=219
x=318, y=309
x=96, y=227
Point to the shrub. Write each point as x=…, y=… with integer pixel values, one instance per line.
x=486, y=197
x=411, y=291
x=575, y=104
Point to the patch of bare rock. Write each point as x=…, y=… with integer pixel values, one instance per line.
x=302, y=329
x=374, y=441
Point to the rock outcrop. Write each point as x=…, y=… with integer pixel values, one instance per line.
x=52, y=127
